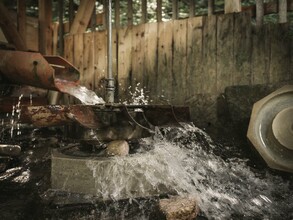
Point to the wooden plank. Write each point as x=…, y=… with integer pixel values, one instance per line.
x=55, y=38
x=129, y=13
x=88, y=79
x=100, y=58
x=232, y=6
x=175, y=10
x=137, y=56
x=45, y=27
x=83, y=16
x=151, y=57
x=194, y=57
x=225, y=53
x=282, y=11
x=68, y=48
x=209, y=54
x=78, y=54
x=242, y=49
x=143, y=11
x=9, y=29
x=159, y=10
x=124, y=64
x=179, y=62
x=61, y=26
x=164, y=77
x=21, y=18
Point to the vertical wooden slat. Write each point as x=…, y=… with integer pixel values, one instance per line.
x=159, y=10
x=88, y=61
x=124, y=64
x=282, y=11
x=137, y=55
x=209, y=54
x=78, y=54
x=225, y=53
x=55, y=38
x=194, y=56
x=164, y=77
x=68, y=48
x=143, y=11
x=21, y=18
x=179, y=61
x=211, y=7
x=191, y=8
x=100, y=58
x=129, y=13
x=93, y=21
x=45, y=30
x=151, y=57
x=259, y=12
x=242, y=49
x=61, y=27
x=174, y=9
x=117, y=13
x=232, y=6
x=71, y=13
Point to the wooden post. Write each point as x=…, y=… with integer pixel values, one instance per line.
x=211, y=7
x=259, y=12
x=117, y=13
x=82, y=17
x=282, y=11
x=21, y=19
x=232, y=6
x=45, y=29
x=9, y=29
x=174, y=9
x=191, y=9
x=93, y=21
x=159, y=10
x=61, y=27
x=71, y=13
x=143, y=11
x=129, y=13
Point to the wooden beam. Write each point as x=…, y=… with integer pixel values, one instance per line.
x=9, y=29
x=282, y=11
x=159, y=10
x=83, y=16
x=232, y=6
x=143, y=11
x=21, y=18
x=259, y=4
x=175, y=9
x=45, y=27
x=211, y=7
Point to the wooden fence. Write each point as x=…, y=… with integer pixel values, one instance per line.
x=189, y=61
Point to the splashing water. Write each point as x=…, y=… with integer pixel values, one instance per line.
x=138, y=97
x=86, y=96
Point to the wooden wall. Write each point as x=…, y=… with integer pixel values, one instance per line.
x=189, y=61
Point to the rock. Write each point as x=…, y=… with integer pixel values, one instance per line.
x=179, y=208
x=117, y=148
x=9, y=150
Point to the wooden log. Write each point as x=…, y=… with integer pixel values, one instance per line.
x=232, y=6
x=159, y=10
x=78, y=54
x=82, y=17
x=21, y=18
x=68, y=48
x=259, y=12
x=45, y=27
x=9, y=29
x=225, y=53
x=175, y=10
x=143, y=11
x=61, y=27
x=191, y=9
x=129, y=13
x=179, y=62
x=88, y=79
x=211, y=7
x=71, y=12
x=282, y=11
x=55, y=38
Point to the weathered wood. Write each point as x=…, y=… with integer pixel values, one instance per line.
x=78, y=54
x=55, y=38
x=282, y=11
x=191, y=8
x=129, y=13
x=10, y=30
x=117, y=13
x=93, y=21
x=61, y=27
x=259, y=12
x=88, y=79
x=115, y=56
x=194, y=56
x=21, y=18
x=225, y=53
x=179, y=62
x=164, y=77
x=137, y=55
x=83, y=16
x=45, y=27
x=100, y=55
x=68, y=48
x=70, y=13
x=175, y=10
x=144, y=12
x=151, y=57
x=242, y=49
x=232, y=6
x=209, y=54
x=159, y=10
x=211, y=7
x=124, y=64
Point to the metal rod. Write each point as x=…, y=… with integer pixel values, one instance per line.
x=110, y=81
